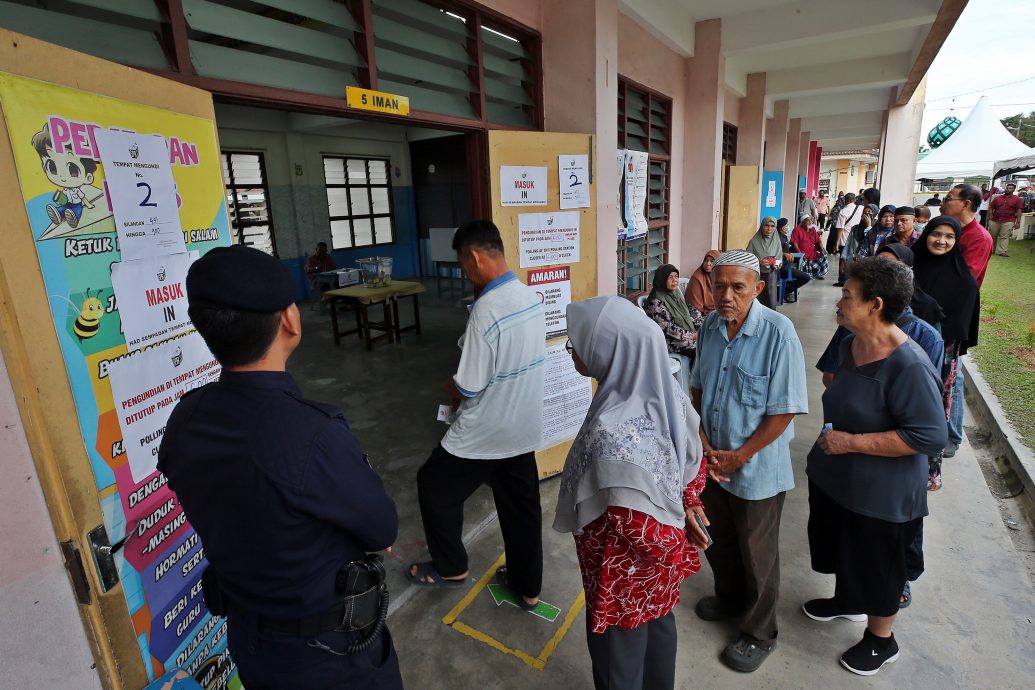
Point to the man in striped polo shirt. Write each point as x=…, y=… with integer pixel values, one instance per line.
x=497, y=393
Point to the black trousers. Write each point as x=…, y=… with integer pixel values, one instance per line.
x=445, y=481
x=275, y=661
x=800, y=278
x=640, y=658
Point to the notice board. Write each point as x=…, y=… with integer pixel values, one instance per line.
x=547, y=149
x=63, y=333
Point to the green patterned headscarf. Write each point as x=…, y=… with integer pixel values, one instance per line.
x=673, y=301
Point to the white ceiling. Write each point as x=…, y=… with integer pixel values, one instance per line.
x=826, y=57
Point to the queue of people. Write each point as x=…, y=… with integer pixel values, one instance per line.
x=656, y=474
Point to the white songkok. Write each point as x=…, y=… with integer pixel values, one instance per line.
x=738, y=257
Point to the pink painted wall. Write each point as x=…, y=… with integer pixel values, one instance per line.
x=528, y=12
x=647, y=61
x=731, y=108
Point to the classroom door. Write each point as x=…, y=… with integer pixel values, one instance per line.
x=134, y=563
x=549, y=234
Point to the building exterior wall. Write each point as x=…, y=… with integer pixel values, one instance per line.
x=42, y=637
x=646, y=60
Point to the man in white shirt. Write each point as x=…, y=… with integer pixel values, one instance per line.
x=849, y=216
x=498, y=396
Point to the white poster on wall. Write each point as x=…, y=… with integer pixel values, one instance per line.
x=146, y=386
x=545, y=239
x=635, y=194
x=566, y=397
x=523, y=185
x=151, y=297
x=573, y=174
x=142, y=192
x=553, y=286
x=770, y=195
x=620, y=161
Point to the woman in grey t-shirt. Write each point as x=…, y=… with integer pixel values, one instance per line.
x=867, y=472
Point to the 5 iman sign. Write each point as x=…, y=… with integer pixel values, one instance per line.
x=377, y=101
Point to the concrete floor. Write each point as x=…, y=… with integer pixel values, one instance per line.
x=972, y=623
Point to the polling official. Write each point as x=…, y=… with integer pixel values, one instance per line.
x=286, y=504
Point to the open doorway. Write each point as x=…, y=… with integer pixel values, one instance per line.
x=364, y=188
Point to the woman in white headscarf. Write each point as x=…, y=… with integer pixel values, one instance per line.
x=630, y=494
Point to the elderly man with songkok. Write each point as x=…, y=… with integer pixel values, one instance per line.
x=748, y=384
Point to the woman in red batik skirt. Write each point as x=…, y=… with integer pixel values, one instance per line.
x=630, y=493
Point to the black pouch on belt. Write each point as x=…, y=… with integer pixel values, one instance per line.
x=361, y=584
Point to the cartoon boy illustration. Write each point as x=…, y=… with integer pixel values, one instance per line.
x=70, y=173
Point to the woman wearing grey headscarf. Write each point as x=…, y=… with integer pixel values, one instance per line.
x=630, y=494
x=767, y=247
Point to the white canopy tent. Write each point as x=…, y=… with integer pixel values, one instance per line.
x=973, y=149
x=1017, y=164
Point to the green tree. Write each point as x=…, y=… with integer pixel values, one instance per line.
x=1021, y=126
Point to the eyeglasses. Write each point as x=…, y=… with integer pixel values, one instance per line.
x=568, y=347
x=951, y=198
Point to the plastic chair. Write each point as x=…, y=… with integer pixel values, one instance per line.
x=682, y=374
x=683, y=282
x=641, y=300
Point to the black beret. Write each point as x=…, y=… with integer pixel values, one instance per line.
x=239, y=277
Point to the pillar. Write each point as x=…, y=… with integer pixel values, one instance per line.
x=790, y=169
x=901, y=141
x=814, y=153
x=702, y=151
x=580, y=94
x=751, y=131
x=776, y=137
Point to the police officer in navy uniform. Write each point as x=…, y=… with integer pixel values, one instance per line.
x=286, y=504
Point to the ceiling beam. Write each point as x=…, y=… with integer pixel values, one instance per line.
x=866, y=100
x=795, y=26
x=840, y=77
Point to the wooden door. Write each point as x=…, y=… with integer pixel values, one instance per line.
x=141, y=608
x=547, y=149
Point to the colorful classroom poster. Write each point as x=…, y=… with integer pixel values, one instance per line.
x=546, y=239
x=553, y=286
x=152, y=297
x=65, y=188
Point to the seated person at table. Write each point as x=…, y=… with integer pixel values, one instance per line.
x=798, y=277
x=321, y=261
x=668, y=308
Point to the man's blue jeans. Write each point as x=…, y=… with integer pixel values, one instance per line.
x=956, y=417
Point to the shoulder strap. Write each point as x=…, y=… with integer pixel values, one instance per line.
x=906, y=320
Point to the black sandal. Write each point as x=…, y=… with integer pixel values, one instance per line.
x=427, y=570
x=501, y=575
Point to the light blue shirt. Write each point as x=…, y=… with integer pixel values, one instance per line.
x=761, y=372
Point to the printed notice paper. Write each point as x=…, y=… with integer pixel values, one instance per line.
x=566, y=397
x=545, y=239
x=635, y=194
x=151, y=297
x=620, y=160
x=553, y=286
x=573, y=171
x=142, y=193
x=146, y=387
x=522, y=185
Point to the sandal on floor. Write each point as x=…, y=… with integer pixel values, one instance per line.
x=501, y=576
x=907, y=597
x=425, y=571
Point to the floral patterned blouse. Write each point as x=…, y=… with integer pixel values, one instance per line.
x=632, y=565
x=679, y=340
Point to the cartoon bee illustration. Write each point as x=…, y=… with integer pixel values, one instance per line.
x=88, y=320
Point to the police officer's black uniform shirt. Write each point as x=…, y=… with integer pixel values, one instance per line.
x=278, y=490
